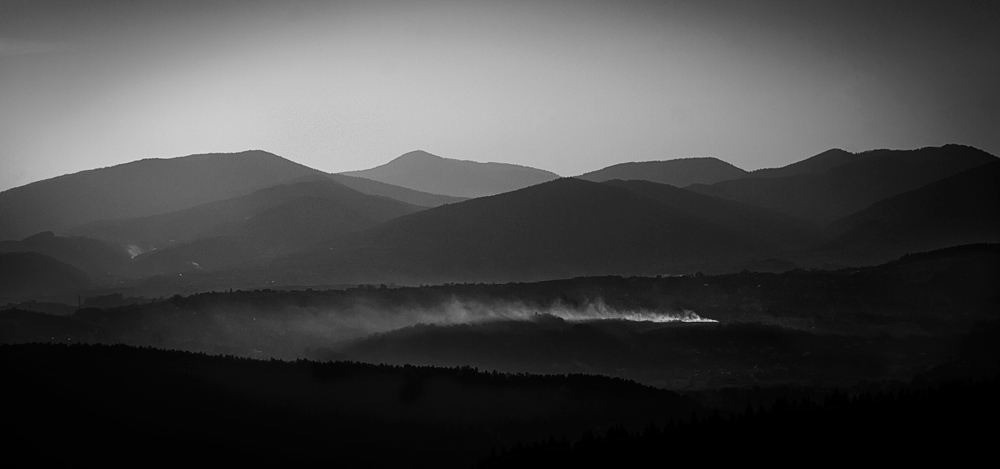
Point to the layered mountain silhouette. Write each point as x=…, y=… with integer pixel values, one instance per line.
x=294, y=209
x=827, y=195
x=961, y=209
x=141, y=188
x=566, y=227
x=425, y=172
x=680, y=172
x=280, y=219
x=29, y=274
x=308, y=229
x=95, y=257
x=776, y=229
x=827, y=160
x=402, y=194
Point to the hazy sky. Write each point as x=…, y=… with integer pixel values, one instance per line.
x=568, y=86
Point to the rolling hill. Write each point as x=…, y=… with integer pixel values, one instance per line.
x=292, y=208
x=827, y=160
x=269, y=222
x=402, y=194
x=780, y=230
x=825, y=196
x=422, y=171
x=140, y=188
x=27, y=275
x=680, y=172
x=563, y=228
x=961, y=209
x=97, y=258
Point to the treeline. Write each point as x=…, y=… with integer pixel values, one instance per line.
x=80, y=403
x=951, y=423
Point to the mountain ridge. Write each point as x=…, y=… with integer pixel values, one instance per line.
x=679, y=172
x=426, y=172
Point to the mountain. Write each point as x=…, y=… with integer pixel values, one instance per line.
x=824, y=196
x=292, y=209
x=24, y=275
x=827, y=160
x=961, y=209
x=402, y=194
x=139, y=188
x=97, y=258
x=422, y=171
x=562, y=228
x=780, y=230
x=680, y=172
x=266, y=223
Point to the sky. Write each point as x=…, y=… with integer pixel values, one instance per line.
x=565, y=86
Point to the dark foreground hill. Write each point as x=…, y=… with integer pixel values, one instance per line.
x=124, y=404
x=961, y=209
x=680, y=172
x=824, y=196
x=425, y=172
x=119, y=405
x=139, y=188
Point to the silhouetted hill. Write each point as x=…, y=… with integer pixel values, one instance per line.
x=680, y=172
x=177, y=407
x=285, y=214
x=780, y=230
x=961, y=209
x=267, y=223
x=410, y=196
x=27, y=274
x=825, y=196
x=425, y=172
x=561, y=228
x=827, y=160
x=139, y=188
x=97, y=258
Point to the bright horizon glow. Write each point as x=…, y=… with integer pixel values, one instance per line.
x=564, y=86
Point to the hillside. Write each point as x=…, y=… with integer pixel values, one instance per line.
x=270, y=222
x=961, y=209
x=825, y=196
x=292, y=209
x=97, y=258
x=680, y=172
x=140, y=188
x=781, y=231
x=422, y=171
x=818, y=163
x=402, y=194
x=562, y=228
x=28, y=275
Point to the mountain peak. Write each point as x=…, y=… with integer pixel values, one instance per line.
x=426, y=172
x=417, y=155
x=678, y=172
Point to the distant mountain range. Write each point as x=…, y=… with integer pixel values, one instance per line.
x=960, y=209
x=680, y=172
x=834, y=190
x=425, y=172
x=25, y=275
x=566, y=227
x=140, y=188
x=253, y=218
